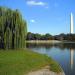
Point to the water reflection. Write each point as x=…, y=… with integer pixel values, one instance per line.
x=62, y=46
x=71, y=58
x=63, y=53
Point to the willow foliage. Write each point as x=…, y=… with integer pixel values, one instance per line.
x=13, y=29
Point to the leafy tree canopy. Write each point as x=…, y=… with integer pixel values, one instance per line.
x=13, y=29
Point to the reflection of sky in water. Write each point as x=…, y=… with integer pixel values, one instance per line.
x=63, y=55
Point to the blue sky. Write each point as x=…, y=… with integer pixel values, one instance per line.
x=44, y=16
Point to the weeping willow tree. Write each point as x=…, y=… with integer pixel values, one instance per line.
x=13, y=29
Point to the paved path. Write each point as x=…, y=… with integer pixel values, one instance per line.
x=45, y=71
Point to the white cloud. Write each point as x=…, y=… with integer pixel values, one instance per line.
x=32, y=21
x=36, y=3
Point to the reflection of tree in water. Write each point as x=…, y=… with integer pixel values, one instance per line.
x=62, y=46
x=59, y=45
x=36, y=45
x=69, y=45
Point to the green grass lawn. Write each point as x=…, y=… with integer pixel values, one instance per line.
x=20, y=62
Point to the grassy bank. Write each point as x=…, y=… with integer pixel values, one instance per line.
x=20, y=62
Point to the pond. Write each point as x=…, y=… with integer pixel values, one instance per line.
x=63, y=53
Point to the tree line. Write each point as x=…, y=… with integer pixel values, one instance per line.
x=37, y=36
x=13, y=29
x=47, y=36
x=67, y=37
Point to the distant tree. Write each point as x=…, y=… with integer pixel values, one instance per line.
x=48, y=36
x=37, y=36
x=30, y=36
x=66, y=37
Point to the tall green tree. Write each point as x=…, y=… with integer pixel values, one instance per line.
x=13, y=29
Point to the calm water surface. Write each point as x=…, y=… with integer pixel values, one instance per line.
x=64, y=54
